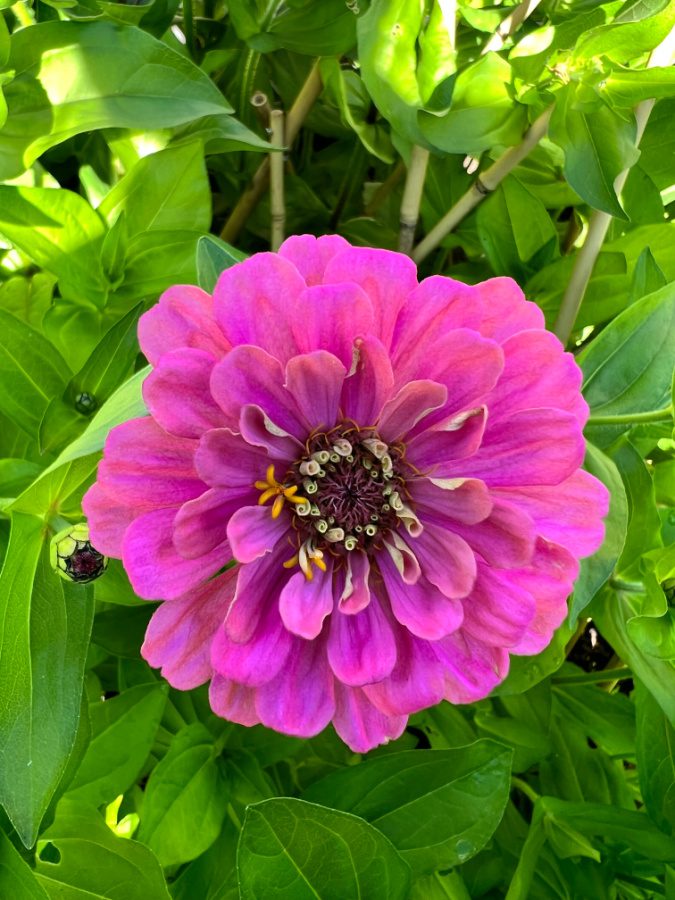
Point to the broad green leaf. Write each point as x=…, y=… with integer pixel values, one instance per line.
x=301, y=851
x=626, y=40
x=120, y=630
x=93, y=862
x=32, y=372
x=213, y=257
x=166, y=191
x=326, y=29
x=644, y=524
x=17, y=880
x=628, y=368
x=28, y=298
x=647, y=277
x=213, y=876
x=75, y=77
x=58, y=492
x=116, y=588
x=221, y=134
x=595, y=570
x=655, y=759
x=96, y=381
x=43, y=644
x=126, y=403
x=123, y=732
x=438, y=807
x=626, y=88
x=156, y=260
x=598, y=145
x=185, y=799
x=60, y=232
x=16, y=475
x=609, y=719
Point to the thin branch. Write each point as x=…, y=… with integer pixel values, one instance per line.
x=412, y=197
x=509, y=25
x=277, y=205
x=189, y=28
x=383, y=191
x=296, y=116
x=484, y=184
x=638, y=418
x=600, y=221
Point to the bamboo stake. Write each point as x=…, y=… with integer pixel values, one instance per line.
x=261, y=107
x=296, y=116
x=412, y=197
x=482, y=186
x=277, y=205
x=600, y=221
x=509, y=25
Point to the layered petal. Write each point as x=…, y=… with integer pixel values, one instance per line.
x=177, y=393
x=360, y=724
x=252, y=532
x=370, y=382
x=304, y=604
x=108, y=520
x=361, y=647
x=310, y=255
x=182, y=318
x=201, y=524
x=233, y=701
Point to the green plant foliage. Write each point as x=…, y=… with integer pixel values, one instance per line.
x=132, y=159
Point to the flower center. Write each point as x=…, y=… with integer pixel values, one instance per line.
x=347, y=492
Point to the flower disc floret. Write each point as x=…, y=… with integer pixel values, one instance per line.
x=394, y=466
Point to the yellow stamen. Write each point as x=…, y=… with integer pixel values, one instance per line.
x=319, y=563
x=273, y=488
x=266, y=495
x=293, y=561
x=277, y=506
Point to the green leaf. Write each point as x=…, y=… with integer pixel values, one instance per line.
x=126, y=403
x=123, y=732
x=93, y=862
x=221, y=134
x=213, y=257
x=43, y=644
x=609, y=719
x=655, y=759
x=628, y=368
x=16, y=877
x=438, y=807
x=156, y=260
x=96, y=381
x=595, y=570
x=28, y=298
x=626, y=40
x=213, y=876
x=58, y=492
x=185, y=799
x=121, y=630
x=647, y=277
x=294, y=850
x=598, y=145
x=31, y=372
x=644, y=524
x=625, y=88
x=325, y=29
x=75, y=77
x=166, y=191
x=61, y=232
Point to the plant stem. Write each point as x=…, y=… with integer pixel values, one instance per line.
x=618, y=674
x=22, y=13
x=509, y=25
x=484, y=184
x=639, y=418
x=524, y=788
x=385, y=189
x=277, y=205
x=600, y=221
x=189, y=28
x=296, y=116
x=412, y=197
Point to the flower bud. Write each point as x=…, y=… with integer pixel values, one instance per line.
x=73, y=557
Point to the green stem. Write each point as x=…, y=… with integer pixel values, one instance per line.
x=189, y=28
x=524, y=788
x=452, y=886
x=652, y=415
x=629, y=587
x=618, y=674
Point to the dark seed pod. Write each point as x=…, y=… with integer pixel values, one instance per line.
x=73, y=557
x=85, y=403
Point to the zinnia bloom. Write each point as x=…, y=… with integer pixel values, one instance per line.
x=394, y=466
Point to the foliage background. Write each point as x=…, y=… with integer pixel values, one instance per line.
x=127, y=141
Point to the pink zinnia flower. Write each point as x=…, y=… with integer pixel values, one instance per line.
x=395, y=467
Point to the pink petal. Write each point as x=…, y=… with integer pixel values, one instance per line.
x=256, y=302
x=370, y=382
x=304, y=604
x=499, y=609
x=505, y=310
x=446, y=502
x=387, y=278
x=234, y=702
x=201, y=524
x=446, y=560
x=356, y=592
x=107, y=519
x=361, y=647
x=542, y=446
x=252, y=532
x=403, y=558
x=145, y=467
x=224, y=460
x=416, y=681
x=179, y=635
x=300, y=700
x=413, y=402
x=315, y=382
x=177, y=393
x=550, y=580
x=182, y=318
x=505, y=539
x=569, y=514
x=331, y=317
x=311, y=255
x=155, y=569
x=420, y=607
x=260, y=659
x=249, y=375
x=436, y=452
x=537, y=373
x=258, y=429
x=472, y=669
x=360, y=725
x=258, y=587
